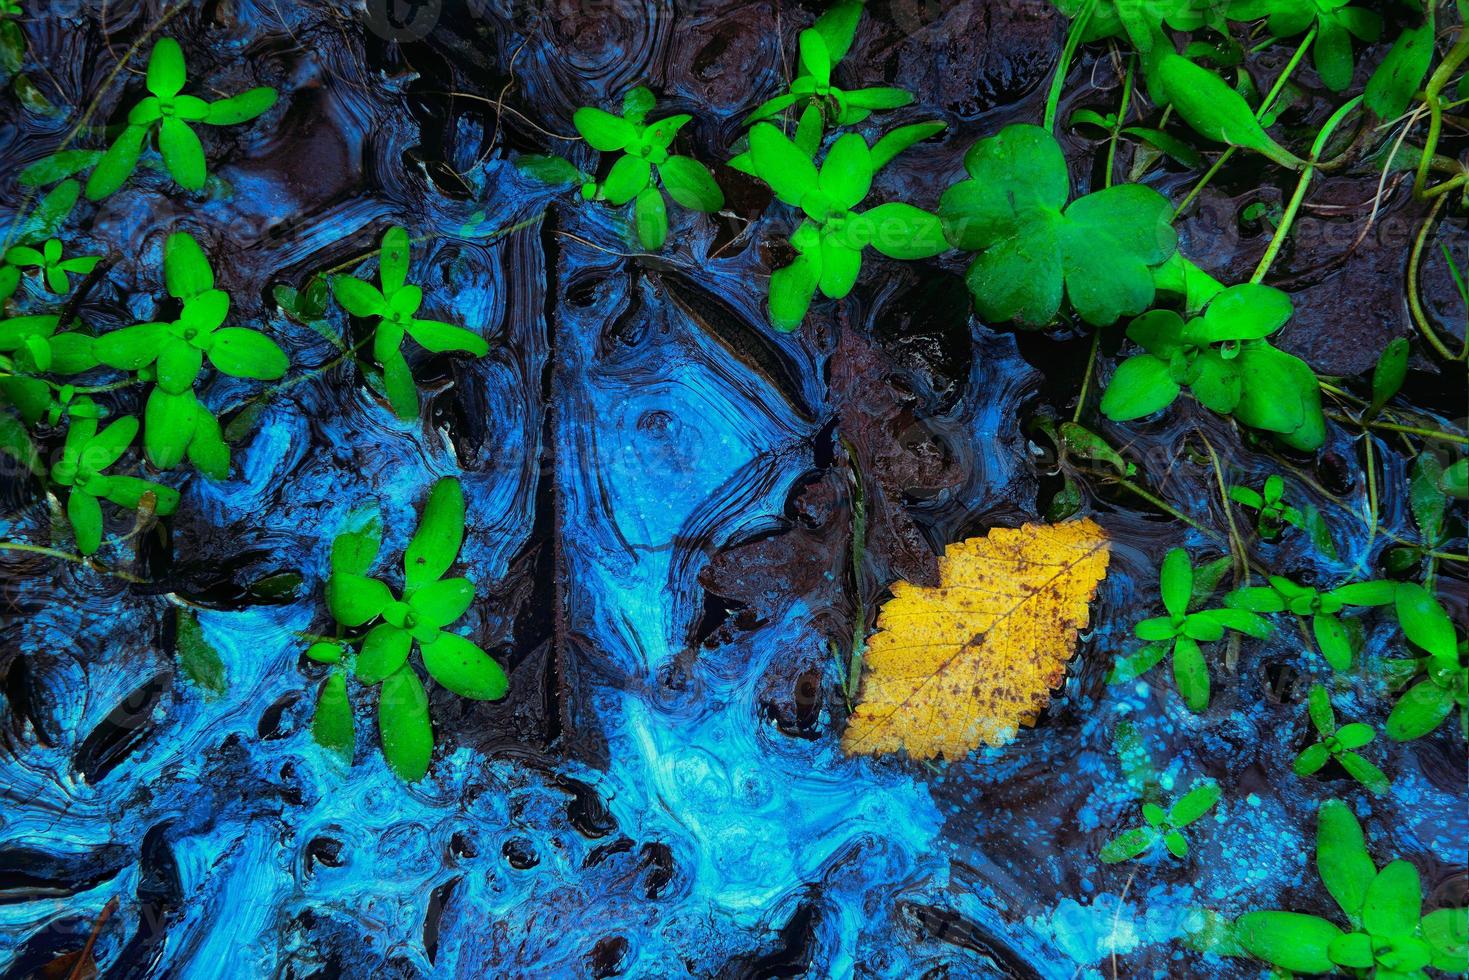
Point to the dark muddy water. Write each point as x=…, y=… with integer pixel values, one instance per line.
x=660, y=518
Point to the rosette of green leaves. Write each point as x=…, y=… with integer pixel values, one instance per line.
x=1272, y=511
x=1181, y=632
x=37, y=228
x=420, y=617
x=833, y=233
x=1336, y=24
x=172, y=354
x=1387, y=934
x=394, y=304
x=1337, y=743
x=30, y=348
x=1034, y=248
x=1283, y=595
x=821, y=48
x=1444, y=684
x=644, y=147
x=1225, y=362
x=85, y=457
x=53, y=267
x=1162, y=826
x=170, y=114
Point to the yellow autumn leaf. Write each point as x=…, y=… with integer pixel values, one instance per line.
x=975, y=657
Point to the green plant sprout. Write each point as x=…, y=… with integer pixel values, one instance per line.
x=1283, y=595
x=644, y=145
x=169, y=113
x=1445, y=671
x=1181, y=632
x=31, y=347
x=1387, y=934
x=832, y=234
x=429, y=604
x=55, y=270
x=1227, y=365
x=1337, y=743
x=1428, y=503
x=1272, y=512
x=37, y=229
x=1336, y=24
x=394, y=304
x=1163, y=826
x=1013, y=211
x=172, y=355
x=12, y=39
x=821, y=47
x=85, y=456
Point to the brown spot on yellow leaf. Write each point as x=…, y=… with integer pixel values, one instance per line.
x=975, y=657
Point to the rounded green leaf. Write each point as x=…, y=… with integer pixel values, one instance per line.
x=325, y=652
x=1141, y=386
x=207, y=448
x=240, y=108
x=1394, y=901
x=1288, y=940
x=840, y=266
x=168, y=426
x=440, y=532
x=627, y=178
x=1191, y=674
x=1311, y=759
x=846, y=174
x=1447, y=933
x=166, y=72
x=464, y=668
x=355, y=548
x=1332, y=637
x=1128, y=844
x=331, y=726
x=85, y=515
x=901, y=231
x=603, y=130
x=441, y=603
x=403, y=725
x=781, y=164
x=186, y=270
x=791, y=291
x=1418, y=712
x=690, y=184
x=355, y=599
x=1197, y=802
x=1021, y=279
x=392, y=269
x=244, y=353
x=1176, y=581
x=1249, y=311
x=1341, y=857
x=179, y=363
x=438, y=337
x=1353, y=949
x=117, y=164
x=815, y=58
x=637, y=103
x=650, y=214
x=107, y=446
x=1216, y=111
x=1215, y=383
x=1018, y=170
x=359, y=298
x=1425, y=622
x=384, y=650
x=182, y=153
x=399, y=385
x=1272, y=398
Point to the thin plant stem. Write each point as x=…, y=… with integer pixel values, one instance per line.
x=1121, y=121
x=1086, y=379
x=85, y=562
x=1415, y=302
x=1063, y=66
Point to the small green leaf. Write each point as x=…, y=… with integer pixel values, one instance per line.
x=244, y=353
x=168, y=426
x=440, y=532
x=1425, y=622
x=1141, y=386
x=384, y=650
x=1311, y=759
x=186, y=270
x=1336, y=645
x=359, y=298
x=791, y=291
x=166, y=72
x=117, y=164
x=636, y=104
x=441, y=603
x=198, y=659
x=1394, y=901
x=240, y=108
x=1197, y=802
x=626, y=180
x=403, y=725
x=1217, y=111
x=355, y=599
x=1191, y=674
x=890, y=144
x=1176, y=581
x=815, y=58
x=650, y=214
x=464, y=668
x=1289, y=940
x=549, y=169
x=332, y=724
x=182, y=153
x=604, y=131
x=1419, y=711
x=356, y=547
x=1128, y=844
x=1318, y=704
x=1388, y=375
x=1341, y=857
x=690, y=184
x=789, y=172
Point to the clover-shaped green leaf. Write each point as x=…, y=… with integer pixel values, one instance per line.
x=394, y=304
x=85, y=456
x=1182, y=631
x=429, y=604
x=830, y=239
x=173, y=355
x=1034, y=248
x=171, y=115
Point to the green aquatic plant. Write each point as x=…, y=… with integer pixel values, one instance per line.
x=427, y=605
x=1284, y=595
x=32, y=348
x=394, y=304
x=1272, y=511
x=1428, y=502
x=1387, y=934
x=169, y=113
x=172, y=355
x=86, y=455
x=55, y=270
x=1162, y=826
x=12, y=39
x=38, y=229
x=1336, y=24
x=1141, y=23
x=1181, y=632
x=1444, y=672
x=1215, y=111
x=821, y=47
x=833, y=233
x=1337, y=743
x=1033, y=247
x=1224, y=361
